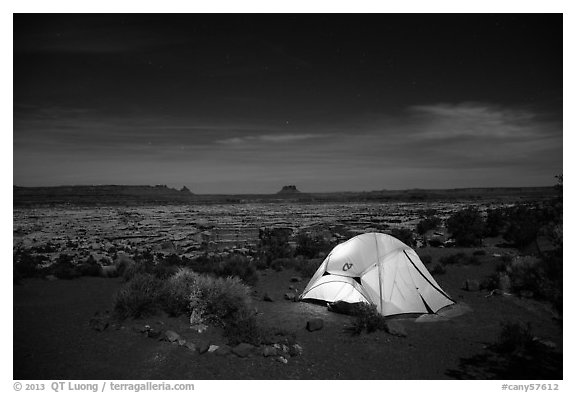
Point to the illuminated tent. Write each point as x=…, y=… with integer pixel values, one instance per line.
x=378, y=269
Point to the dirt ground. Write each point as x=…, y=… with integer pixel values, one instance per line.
x=53, y=339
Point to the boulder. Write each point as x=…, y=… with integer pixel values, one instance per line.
x=472, y=285
x=171, y=336
x=243, y=349
x=395, y=328
x=203, y=348
x=314, y=324
x=269, y=351
x=223, y=350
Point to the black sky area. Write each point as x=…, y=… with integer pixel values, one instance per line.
x=250, y=102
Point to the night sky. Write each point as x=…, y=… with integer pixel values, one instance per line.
x=247, y=103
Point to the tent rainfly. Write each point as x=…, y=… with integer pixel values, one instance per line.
x=378, y=269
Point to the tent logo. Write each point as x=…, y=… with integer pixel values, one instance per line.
x=347, y=266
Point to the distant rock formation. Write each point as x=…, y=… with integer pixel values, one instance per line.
x=289, y=190
x=185, y=190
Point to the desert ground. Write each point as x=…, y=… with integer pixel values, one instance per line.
x=66, y=328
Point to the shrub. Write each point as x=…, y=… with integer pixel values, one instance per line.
x=426, y=259
x=515, y=338
x=307, y=267
x=524, y=223
x=139, y=297
x=274, y=244
x=239, y=266
x=175, y=296
x=63, y=268
x=466, y=227
x=90, y=268
x=427, y=224
x=367, y=318
x=405, y=235
x=311, y=246
x=27, y=265
x=495, y=222
x=438, y=269
x=220, y=300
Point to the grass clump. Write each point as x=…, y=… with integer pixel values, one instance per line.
x=175, y=296
x=220, y=300
x=366, y=318
x=139, y=297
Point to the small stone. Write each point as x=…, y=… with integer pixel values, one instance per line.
x=203, y=348
x=213, y=348
x=141, y=329
x=395, y=328
x=282, y=359
x=314, y=324
x=190, y=345
x=181, y=341
x=269, y=351
x=171, y=336
x=289, y=296
x=243, y=349
x=267, y=298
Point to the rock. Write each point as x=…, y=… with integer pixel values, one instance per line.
x=223, y=350
x=213, y=348
x=295, y=279
x=289, y=296
x=285, y=348
x=314, y=324
x=153, y=333
x=282, y=359
x=190, y=345
x=296, y=350
x=243, y=349
x=472, y=285
x=203, y=348
x=269, y=351
x=181, y=341
x=395, y=328
x=171, y=336
x=267, y=298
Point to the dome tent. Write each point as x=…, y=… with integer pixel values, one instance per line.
x=378, y=269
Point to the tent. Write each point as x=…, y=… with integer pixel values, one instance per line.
x=379, y=269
